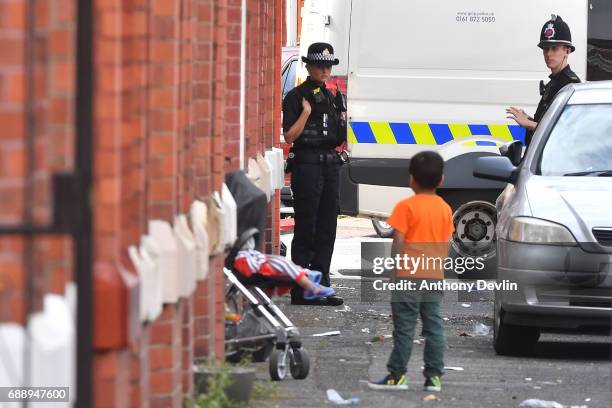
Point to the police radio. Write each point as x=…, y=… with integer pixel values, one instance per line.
x=341, y=105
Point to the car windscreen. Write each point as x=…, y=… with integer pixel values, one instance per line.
x=289, y=78
x=580, y=143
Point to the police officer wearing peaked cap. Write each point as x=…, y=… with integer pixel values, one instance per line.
x=556, y=44
x=314, y=122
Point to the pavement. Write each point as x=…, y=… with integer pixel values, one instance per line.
x=573, y=370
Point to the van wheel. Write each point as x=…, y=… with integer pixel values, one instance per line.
x=474, y=234
x=512, y=340
x=383, y=229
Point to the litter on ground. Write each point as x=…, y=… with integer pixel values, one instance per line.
x=326, y=334
x=538, y=403
x=335, y=398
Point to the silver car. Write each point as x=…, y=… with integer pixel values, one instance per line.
x=554, y=231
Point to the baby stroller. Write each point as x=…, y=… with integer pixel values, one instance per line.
x=253, y=323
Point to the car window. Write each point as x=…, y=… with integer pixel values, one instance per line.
x=581, y=141
x=289, y=77
x=284, y=77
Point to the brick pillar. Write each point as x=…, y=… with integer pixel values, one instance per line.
x=139, y=371
x=163, y=94
x=112, y=379
x=185, y=113
x=165, y=356
x=56, y=252
x=187, y=343
x=216, y=279
x=12, y=158
x=202, y=94
x=112, y=366
x=209, y=111
x=163, y=189
x=232, y=106
x=202, y=110
x=135, y=76
x=269, y=95
x=186, y=174
x=253, y=71
x=282, y=20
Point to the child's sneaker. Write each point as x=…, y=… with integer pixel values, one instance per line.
x=318, y=292
x=433, y=384
x=389, y=383
x=313, y=276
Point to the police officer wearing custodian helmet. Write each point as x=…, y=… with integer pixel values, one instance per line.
x=314, y=122
x=556, y=44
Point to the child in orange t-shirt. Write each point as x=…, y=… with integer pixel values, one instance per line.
x=423, y=226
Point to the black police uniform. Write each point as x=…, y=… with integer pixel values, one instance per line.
x=555, y=32
x=549, y=91
x=315, y=171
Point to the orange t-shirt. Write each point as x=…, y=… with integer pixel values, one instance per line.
x=426, y=222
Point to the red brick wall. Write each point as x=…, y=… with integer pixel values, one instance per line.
x=36, y=93
x=166, y=123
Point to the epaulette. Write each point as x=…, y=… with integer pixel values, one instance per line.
x=571, y=75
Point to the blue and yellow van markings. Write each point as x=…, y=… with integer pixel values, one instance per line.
x=431, y=133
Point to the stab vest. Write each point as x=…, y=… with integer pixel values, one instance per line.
x=322, y=127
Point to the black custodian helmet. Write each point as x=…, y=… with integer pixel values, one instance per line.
x=556, y=33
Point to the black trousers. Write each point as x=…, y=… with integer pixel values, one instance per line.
x=316, y=204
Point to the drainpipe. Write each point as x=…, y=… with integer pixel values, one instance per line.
x=243, y=28
x=83, y=236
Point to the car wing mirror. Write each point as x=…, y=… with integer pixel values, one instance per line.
x=495, y=168
x=513, y=151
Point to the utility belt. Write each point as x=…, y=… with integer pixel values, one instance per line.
x=318, y=139
x=324, y=157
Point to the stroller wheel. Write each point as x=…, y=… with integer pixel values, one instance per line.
x=262, y=354
x=278, y=365
x=299, y=363
x=235, y=357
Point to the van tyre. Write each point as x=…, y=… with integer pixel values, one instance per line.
x=383, y=229
x=512, y=340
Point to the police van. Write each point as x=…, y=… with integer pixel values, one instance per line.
x=438, y=75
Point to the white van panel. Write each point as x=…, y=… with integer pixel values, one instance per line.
x=370, y=199
x=415, y=62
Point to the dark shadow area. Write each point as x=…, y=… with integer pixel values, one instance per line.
x=560, y=350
